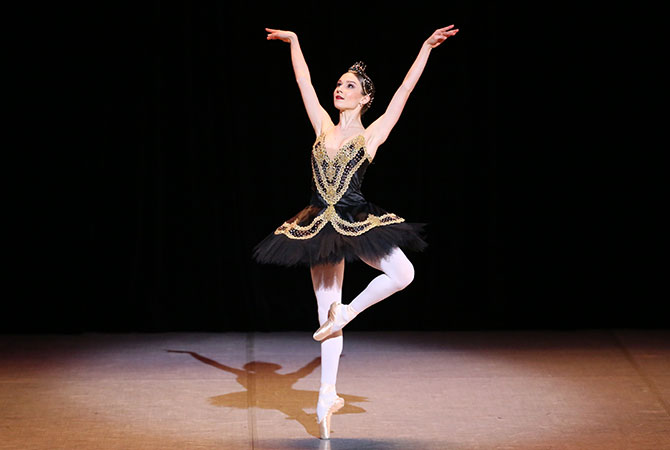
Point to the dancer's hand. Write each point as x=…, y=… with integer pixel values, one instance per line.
x=282, y=35
x=440, y=35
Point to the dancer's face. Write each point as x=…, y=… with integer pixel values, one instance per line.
x=349, y=93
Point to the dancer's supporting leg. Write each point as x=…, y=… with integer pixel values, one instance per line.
x=327, y=283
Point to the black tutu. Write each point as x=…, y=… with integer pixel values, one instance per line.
x=338, y=223
x=330, y=247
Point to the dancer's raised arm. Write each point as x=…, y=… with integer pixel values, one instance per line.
x=380, y=128
x=317, y=115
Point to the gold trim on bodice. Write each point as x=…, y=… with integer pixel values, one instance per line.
x=332, y=178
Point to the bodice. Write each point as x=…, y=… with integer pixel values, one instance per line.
x=338, y=181
x=336, y=195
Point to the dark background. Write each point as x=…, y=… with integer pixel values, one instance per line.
x=174, y=138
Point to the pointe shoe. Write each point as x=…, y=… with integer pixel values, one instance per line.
x=338, y=316
x=335, y=404
x=324, y=425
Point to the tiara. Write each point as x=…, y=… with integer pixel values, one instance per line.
x=359, y=67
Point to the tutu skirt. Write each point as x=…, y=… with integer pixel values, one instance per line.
x=329, y=246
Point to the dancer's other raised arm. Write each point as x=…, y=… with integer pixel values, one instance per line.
x=380, y=128
x=317, y=114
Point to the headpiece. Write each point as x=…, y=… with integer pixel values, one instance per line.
x=368, y=87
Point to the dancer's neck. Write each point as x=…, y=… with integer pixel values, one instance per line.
x=350, y=120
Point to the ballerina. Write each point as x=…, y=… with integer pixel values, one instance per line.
x=339, y=225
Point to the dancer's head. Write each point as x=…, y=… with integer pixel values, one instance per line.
x=354, y=90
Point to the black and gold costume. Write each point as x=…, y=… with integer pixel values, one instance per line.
x=338, y=223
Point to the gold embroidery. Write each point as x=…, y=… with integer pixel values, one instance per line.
x=295, y=231
x=332, y=178
x=357, y=228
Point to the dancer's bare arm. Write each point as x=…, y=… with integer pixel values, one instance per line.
x=380, y=128
x=317, y=115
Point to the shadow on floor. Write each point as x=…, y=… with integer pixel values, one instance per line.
x=267, y=389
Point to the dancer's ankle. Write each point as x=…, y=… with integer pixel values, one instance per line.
x=327, y=388
x=351, y=312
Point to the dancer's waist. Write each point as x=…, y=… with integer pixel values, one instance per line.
x=350, y=198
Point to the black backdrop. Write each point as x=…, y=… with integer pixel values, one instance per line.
x=194, y=145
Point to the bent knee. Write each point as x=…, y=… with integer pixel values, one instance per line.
x=405, y=277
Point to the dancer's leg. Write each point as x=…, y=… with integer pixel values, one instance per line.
x=327, y=283
x=398, y=273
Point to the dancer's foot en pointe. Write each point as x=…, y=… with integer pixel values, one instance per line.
x=327, y=404
x=338, y=316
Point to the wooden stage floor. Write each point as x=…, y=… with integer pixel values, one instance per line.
x=526, y=389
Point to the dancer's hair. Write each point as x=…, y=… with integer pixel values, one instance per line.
x=366, y=83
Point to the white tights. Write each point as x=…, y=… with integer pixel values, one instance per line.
x=398, y=272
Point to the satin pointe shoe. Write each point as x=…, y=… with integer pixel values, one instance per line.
x=338, y=316
x=328, y=403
